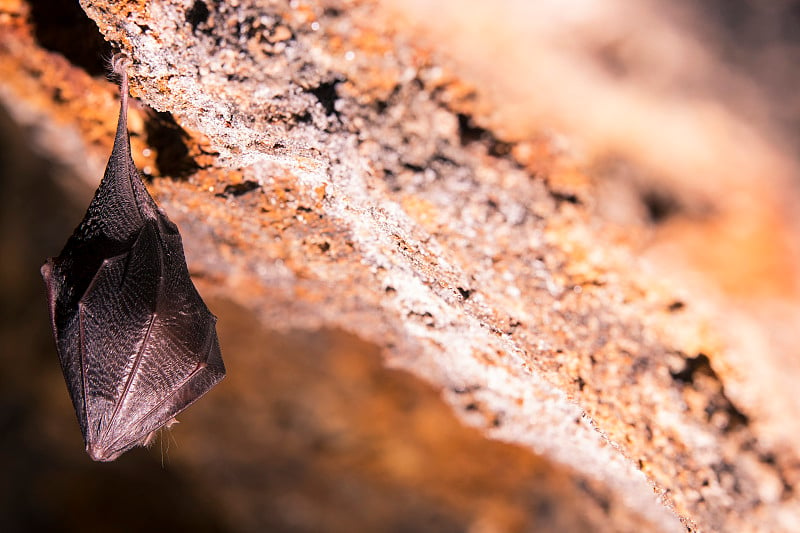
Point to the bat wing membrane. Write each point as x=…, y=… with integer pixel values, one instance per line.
x=136, y=342
x=152, y=342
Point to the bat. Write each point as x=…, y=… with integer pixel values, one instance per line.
x=137, y=344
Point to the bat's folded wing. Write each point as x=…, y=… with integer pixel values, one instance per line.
x=148, y=344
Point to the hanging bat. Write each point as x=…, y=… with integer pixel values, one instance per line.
x=136, y=342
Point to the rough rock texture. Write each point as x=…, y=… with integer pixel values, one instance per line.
x=427, y=328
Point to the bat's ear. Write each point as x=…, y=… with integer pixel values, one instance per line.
x=52, y=290
x=47, y=271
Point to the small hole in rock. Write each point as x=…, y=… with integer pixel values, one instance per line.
x=660, y=205
x=197, y=14
x=326, y=94
x=676, y=306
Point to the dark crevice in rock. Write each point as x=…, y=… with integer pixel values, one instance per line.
x=694, y=366
x=197, y=14
x=326, y=94
x=676, y=306
x=565, y=198
x=470, y=133
x=61, y=26
x=240, y=188
x=169, y=140
x=660, y=205
x=698, y=373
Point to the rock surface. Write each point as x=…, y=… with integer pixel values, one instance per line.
x=427, y=327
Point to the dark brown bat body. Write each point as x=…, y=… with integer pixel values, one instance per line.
x=136, y=342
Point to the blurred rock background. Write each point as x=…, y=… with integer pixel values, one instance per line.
x=483, y=268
